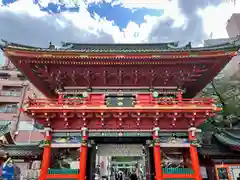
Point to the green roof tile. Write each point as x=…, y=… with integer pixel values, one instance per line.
x=121, y=48
x=228, y=138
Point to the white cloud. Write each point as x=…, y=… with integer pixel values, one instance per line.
x=23, y=22
x=150, y=4
x=23, y=7
x=215, y=18
x=33, y=26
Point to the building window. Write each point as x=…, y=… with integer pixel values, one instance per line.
x=8, y=108
x=4, y=76
x=21, y=77
x=12, y=88
x=11, y=108
x=11, y=91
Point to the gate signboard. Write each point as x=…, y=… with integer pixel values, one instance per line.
x=120, y=150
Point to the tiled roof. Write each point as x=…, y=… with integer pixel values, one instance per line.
x=4, y=128
x=28, y=136
x=223, y=142
x=118, y=48
x=21, y=150
x=229, y=138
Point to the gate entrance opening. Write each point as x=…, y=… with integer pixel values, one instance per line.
x=118, y=160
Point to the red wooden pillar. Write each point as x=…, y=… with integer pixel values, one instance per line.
x=46, y=156
x=83, y=154
x=194, y=154
x=157, y=154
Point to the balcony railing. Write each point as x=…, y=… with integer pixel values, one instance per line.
x=10, y=93
x=71, y=102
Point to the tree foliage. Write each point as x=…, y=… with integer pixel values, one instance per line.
x=227, y=95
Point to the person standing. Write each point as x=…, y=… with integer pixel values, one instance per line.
x=133, y=176
x=8, y=170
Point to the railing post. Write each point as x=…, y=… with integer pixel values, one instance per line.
x=46, y=155
x=83, y=154
x=193, y=153
x=60, y=98
x=157, y=154
x=179, y=97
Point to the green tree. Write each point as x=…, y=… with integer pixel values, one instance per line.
x=227, y=95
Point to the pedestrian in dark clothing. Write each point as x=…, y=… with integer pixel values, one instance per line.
x=133, y=176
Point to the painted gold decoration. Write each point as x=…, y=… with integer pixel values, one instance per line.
x=195, y=143
x=156, y=142
x=155, y=94
x=120, y=103
x=84, y=142
x=45, y=143
x=120, y=98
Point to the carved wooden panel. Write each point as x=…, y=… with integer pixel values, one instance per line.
x=93, y=76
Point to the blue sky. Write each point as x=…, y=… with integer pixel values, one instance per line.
x=36, y=22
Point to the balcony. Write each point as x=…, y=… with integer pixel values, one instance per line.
x=152, y=105
x=10, y=93
x=10, y=96
x=8, y=111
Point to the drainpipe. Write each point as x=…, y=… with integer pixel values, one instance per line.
x=16, y=122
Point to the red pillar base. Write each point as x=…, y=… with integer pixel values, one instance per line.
x=83, y=155
x=46, y=157
x=194, y=154
x=157, y=155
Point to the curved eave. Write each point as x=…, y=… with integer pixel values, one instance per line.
x=228, y=140
x=23, y=150
x=25, y=71
x=22, y=56
x=101, y=48
x=117, y=56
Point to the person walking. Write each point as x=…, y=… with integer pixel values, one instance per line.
x=133, y=176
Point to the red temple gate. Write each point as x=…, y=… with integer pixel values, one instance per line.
x=124, y=89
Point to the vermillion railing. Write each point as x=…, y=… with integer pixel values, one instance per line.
x=175, y=101
x=92, y=103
